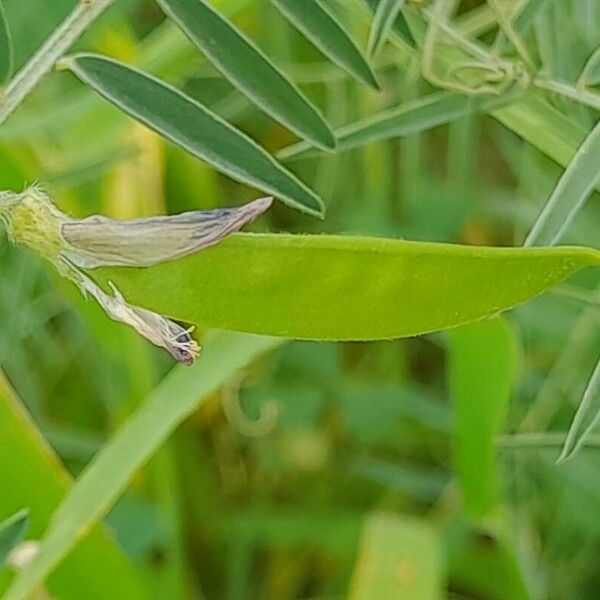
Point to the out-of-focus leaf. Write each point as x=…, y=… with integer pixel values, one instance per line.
x=342, y=287
x=31, y=23
x=590, y=75
x=398, y=558
x=193, y=127
x=578, y=181
x=400, y=26
x=33, y=477
x=482, y=565
x=426, y=484
x=249, y=69
x=524, y=20
x=12, y=532
x=586, y=418
x=386, y=14
x=327, y=34
x=107, y=475
x=542, y=125
x=337, y=532
x=407, y=119
x=6, y=51
x=483, y=361
x=526, y=17
x=373, y=412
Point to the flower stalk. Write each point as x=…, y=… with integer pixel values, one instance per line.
x=44, y=59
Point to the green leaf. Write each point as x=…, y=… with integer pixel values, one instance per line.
x=407, y=119
x=344, y=288
x=401, y=26
x=574, y=187
x=6, y=53
x=386, y=14
x=543, y=126
x=32, y=476
x=586, y=418
x=249, y=69
x=522, y=22
x=398, y=558
x=12, y=532
x=483, y=361
x=193, y=127
x=107, y=475
x=482, y=564
x=590, y=75
x=327, y=34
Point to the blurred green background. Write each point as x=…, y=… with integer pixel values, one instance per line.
x=322, y=468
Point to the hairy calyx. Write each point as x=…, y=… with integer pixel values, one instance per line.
x=72, y=245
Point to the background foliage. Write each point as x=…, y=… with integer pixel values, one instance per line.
x=308, y=469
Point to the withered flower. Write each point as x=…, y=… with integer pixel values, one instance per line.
x=31, y=219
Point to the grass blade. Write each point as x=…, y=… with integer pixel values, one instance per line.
x=176, y=397
x=249, y=69
x=590, y=75
x=193, y=127
x=12, y=532
x=398, y=558
x=6, y=53
x=386, y=13
x=522, y=22
x=344, y=288
x=400, y=27
x=543, y=126
x=495, y=573
x=327, y=34
x=407, y=119
x=586, y=418
x=32, y=476
x=483, y=361
x=574, y=187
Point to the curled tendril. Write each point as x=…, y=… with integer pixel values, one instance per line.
x=494, y=78
x=266, y=422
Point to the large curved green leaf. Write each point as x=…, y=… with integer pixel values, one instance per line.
x=6, y=55
x=192, y=126
x=326, y=33
x=344, y=288
x=106, y=476
x=33, y=477
x=249, y=69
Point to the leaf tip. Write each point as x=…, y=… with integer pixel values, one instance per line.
x=374, y=83
x=565, y=455
x=329, y=141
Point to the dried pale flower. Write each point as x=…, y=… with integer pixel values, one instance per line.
x=31, y=219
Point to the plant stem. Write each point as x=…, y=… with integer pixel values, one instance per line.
x=567, y=90
x=42, y=62
x=540, y=441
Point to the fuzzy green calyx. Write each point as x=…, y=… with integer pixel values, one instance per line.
x=32, y=220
